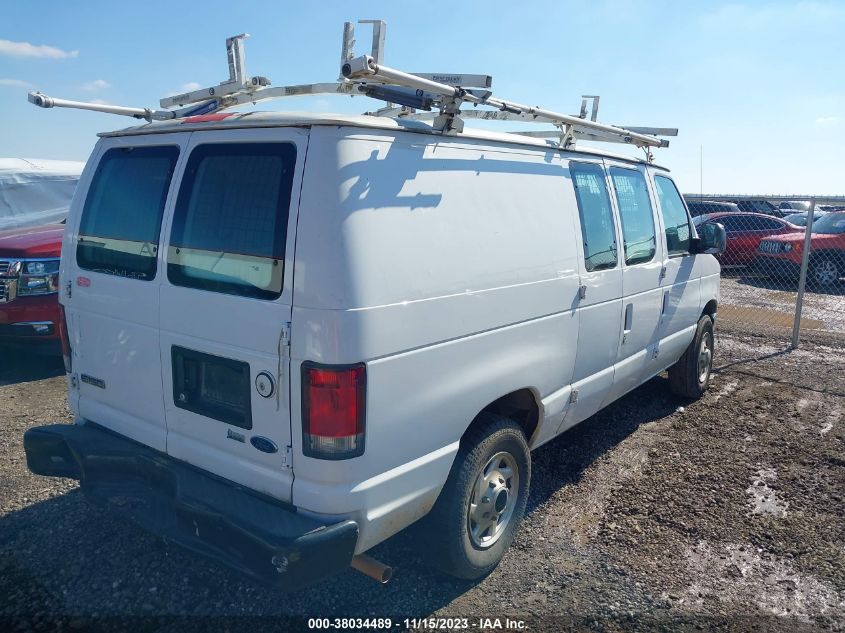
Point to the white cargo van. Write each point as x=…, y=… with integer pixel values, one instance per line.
x=290, y=336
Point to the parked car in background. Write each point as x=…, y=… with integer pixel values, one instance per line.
x=793, y=205
x=744, y=232
x=758, y=206
x=29, y=283
x=800, y=219
x=34, y=199
x=704, y=207
x=783, y=253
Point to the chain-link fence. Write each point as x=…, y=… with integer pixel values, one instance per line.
x=783, y=272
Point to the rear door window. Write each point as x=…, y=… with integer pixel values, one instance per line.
x=230, y=224
x=767, y=224
x=732, y=224
x=675, y=219
x=635, y=214
x=597, y=227
x=121, y=219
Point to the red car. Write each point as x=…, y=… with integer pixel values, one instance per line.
x=29, y=283
x=744, y=232
x=783, y=254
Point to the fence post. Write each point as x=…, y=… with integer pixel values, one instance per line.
x=802, y=280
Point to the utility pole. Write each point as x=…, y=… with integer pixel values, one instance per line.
x=701, y=171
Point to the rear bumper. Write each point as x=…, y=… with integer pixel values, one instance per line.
x=213, y=517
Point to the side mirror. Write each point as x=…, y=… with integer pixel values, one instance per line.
x=711, y=239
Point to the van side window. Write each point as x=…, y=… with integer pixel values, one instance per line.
x=121, y=219
x=231, y=218
x=675, y=217
x=597, y=227
x=635, y=212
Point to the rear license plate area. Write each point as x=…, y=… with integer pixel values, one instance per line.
x=212, y=386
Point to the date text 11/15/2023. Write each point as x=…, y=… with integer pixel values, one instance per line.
x=440, y=624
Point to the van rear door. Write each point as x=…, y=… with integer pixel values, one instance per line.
x=111, y=275
x=226, y=305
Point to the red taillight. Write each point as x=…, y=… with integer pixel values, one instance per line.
x=65, y=338
x=333, y=410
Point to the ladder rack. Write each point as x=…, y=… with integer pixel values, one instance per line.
x=365, y=66
x=435, y=97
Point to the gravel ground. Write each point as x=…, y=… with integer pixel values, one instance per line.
x=722, y=514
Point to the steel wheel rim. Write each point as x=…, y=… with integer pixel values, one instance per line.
x=825, y=273
x=705, y=357
x=493, y=500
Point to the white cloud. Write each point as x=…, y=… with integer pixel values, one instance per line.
x=97, y=84
x=25, y=49
x=827, y=120
x=187, y=87
x=15, y=83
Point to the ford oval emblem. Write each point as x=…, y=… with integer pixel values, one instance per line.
x=263, y=444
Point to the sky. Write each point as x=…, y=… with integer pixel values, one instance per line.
x=757, y=89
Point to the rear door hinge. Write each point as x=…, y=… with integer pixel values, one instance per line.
x=68, y=289
x=283, y=362
x=284, y=340
x=573, y=397
x=287, y=457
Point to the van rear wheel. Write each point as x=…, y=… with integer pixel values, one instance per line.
x=483, y=501
x=690, y=376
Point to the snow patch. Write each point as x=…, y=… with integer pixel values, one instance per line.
x=770, y=582
x=764, y=499
x=832, y=418
x=728, y=389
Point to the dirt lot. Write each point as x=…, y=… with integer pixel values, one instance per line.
x=725, y=513
x=751, y=302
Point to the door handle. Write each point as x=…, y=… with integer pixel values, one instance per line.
x=629, y=321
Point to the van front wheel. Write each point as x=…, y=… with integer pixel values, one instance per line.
x=690, y=376
x=483, y=501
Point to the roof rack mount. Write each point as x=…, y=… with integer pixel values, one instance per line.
x=404, y=94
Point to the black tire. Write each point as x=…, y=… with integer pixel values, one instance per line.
x=447, y=527
x=824, y=272
x=685, y=376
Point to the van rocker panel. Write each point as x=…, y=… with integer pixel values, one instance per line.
x=267, y=540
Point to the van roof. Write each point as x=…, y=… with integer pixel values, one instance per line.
x=233, y=120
